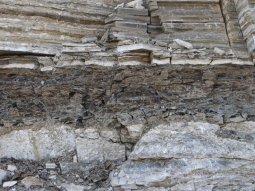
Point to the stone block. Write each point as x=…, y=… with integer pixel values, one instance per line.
x=98, y=150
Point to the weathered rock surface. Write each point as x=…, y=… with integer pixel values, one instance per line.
x=31, y=181
x=113, y=95
x=3, y=174
x=99, y=150
x=36, y=145
x=190, y=156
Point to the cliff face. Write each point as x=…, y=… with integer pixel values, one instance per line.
x=127, y=95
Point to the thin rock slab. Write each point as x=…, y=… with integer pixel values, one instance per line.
x=9, y=184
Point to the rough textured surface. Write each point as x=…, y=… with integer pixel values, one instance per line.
x=36, y=145
x=97, y=151
x=114, y=95
x=190, y=156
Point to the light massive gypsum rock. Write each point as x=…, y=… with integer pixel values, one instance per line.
x=180, y=155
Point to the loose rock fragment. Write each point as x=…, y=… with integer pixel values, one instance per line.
x=184, y=44
x=218, y=51
x=50, y=165
x=9, y=184
x=3, y=174
x=12, y=168
x=31, y=181
x=138, y=4
x=135, y=131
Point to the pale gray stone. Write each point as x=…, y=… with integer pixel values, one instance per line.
x=189, y=156
x=218, y=51
x=31, y=181
x=137, y=4
x=91, y=133
x=184, y=44
x=36, y=145
x=73, y=187
x=75, y=167
x=98, y=150
x=169, y=142
x=110, y=135
x=12, y=168
x=50, y=165
x=3, y=174
x=135, y=131
x=9, y=184
x=147, y=47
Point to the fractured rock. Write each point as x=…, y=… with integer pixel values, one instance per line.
x=173, y=153
x=135, y=131
x=97, y=150
x=12, y=168
x=111, y=135
x=31, y=181
x=36, y=145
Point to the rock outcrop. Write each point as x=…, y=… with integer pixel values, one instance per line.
x=113, y=95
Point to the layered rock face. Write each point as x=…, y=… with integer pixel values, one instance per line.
x=115, y=95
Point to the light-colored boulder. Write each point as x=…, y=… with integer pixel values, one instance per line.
x=91, y=133
x=31, y=181
x=3, y=174
x=12, y=168
x=9, y=184
x=98, y=150
x=110, y=135
x=192, y=140
x=36, y=145
x=184, y=156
